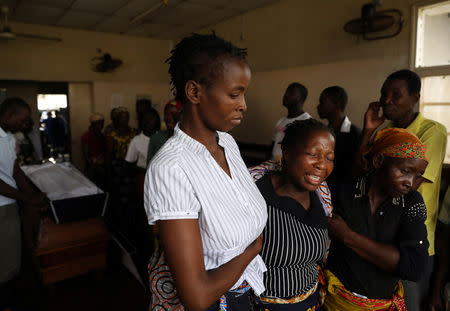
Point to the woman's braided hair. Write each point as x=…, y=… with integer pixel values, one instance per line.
x=199, y=58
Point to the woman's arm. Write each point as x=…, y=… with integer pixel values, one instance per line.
x=196, y=287
x=384, y=256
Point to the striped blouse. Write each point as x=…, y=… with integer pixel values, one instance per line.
x=294, y=242
x=184, y=181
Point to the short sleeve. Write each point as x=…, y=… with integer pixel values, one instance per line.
x=132, y=152
x=412, y=238
x=168, y=194
x=435, y=141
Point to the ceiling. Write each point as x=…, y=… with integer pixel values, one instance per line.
x=178, y=18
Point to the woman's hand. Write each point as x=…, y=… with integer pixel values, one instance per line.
x=338, y=228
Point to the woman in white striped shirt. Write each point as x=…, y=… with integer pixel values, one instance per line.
x=197, y=188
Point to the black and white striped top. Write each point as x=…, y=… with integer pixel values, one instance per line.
x=184, y=181
x=294, y=242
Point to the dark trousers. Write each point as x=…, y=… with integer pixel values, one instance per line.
x=236, y=302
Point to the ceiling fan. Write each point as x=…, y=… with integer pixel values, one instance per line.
x=105, y=63
x=372, y=23
x=6, y=32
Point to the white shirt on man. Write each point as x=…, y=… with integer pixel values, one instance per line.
x=7, y=159
x=279, y=132
x=137, y=150
x=346, y=125
x=184, y=181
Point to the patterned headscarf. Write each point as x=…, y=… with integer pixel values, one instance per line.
x=397, y=143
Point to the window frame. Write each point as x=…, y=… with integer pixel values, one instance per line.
x=430, y=71
x=443, y=70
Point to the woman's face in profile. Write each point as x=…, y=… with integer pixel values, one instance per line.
x=401, y=175
x=311, y=161
x=222, y=102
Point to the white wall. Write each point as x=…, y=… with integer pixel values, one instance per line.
x=69, y=60
x=304, y=41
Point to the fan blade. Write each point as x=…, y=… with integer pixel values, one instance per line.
x=24, y=35
x=378, y=23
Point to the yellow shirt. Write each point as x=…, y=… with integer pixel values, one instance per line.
x=434, y=136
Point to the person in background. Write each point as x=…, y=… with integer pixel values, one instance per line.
x=136, y=158
x=14, y=186
x=199, y=191
x=113, y=125
x=377, y=228
x=58, y=131
x=293, y=100
x=119, y=139
x=399, y=97
x=436, y=300
x=25, y=147
x=94, y=149
x=333, y=101
x=142, y=105
x=295, y=239
x=172, y=114
x=150, y=123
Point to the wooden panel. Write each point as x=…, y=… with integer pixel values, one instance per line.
x=55, y=237
x=72, y=253
x=71, y=249
x=73, y=268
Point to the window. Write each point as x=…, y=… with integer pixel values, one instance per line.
x=430, y=55
x=435, y=103
x=51, y=101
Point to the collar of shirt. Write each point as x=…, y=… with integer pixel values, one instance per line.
x=362, y=189
x=416, y=124
x=303, y=116
x=192, y=143
x=2, y=133
x=346, y=125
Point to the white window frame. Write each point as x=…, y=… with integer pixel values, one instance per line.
x=423, y=71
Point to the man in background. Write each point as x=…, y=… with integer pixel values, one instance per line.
x=333, y=101
x=14, y=186
x=400, y=94
x=293, y=100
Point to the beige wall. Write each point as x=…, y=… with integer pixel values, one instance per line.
x=80, y=101
x=361, y=78
x=69, y=60
x=143, y=70
x=288, y=41
x=291, y=33
x=302, y=41
x=106, y=94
